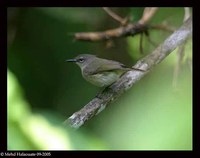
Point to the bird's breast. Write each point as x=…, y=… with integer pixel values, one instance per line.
x=102, y=79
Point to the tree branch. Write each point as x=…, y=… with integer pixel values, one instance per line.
x=129, y=29
x=111, y=93
x=126, y=29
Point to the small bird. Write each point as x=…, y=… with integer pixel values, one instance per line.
x=100, y=72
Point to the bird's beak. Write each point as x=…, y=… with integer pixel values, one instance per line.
x=71, y=60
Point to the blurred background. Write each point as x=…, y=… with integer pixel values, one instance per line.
x=44, y=90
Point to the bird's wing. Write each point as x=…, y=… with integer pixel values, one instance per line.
x=109, y=65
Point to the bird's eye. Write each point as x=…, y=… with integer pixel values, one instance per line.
x=81, y=60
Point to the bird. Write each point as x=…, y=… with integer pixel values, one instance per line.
x=98, y=71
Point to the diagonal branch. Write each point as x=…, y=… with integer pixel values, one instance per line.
x=96, y=105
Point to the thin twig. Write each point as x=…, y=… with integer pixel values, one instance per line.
x=162, y=27
x=96, y=105
x=122, y=21
x=148, y=13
